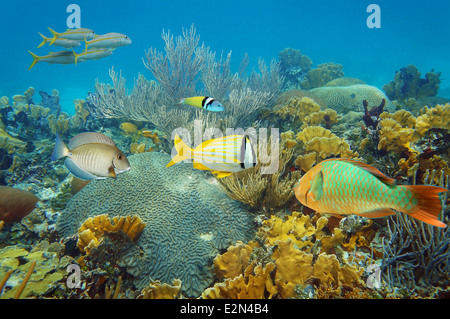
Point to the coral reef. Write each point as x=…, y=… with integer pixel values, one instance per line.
x=169, y=202
x=48, y=271
x=321, y=75
x=293, y=66
x=407, y=84
x=350, y=98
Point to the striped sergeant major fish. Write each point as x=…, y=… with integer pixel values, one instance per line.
x=204, y=102
x=222, y=156
x=91, y=156
x=344, y=186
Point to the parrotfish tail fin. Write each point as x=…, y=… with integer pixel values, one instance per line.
x=55, y=35
x=60, y=150
x=45, y=39
x=181, y=101
x=35, y=59
x=428, y=204
x=183, y=151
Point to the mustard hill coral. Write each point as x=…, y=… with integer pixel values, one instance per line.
x=321, y=75
x=188, y=219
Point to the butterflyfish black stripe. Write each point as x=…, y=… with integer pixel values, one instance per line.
x=243, y=148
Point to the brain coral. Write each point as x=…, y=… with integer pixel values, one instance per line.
x=188, y=220
x=345, y=98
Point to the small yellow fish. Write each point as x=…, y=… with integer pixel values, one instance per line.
x=61, y=57
x=344, y=186
x=222, y=156
x=91, y=156
x=92, y=54
x=203, y=102
x=60, y=42
x=128, y=128
x=81, y=34
x=109, y=40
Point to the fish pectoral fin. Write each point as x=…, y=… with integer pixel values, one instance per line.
x=316, y=190
x=78, y=171
x=378, y=213
x=112, y=172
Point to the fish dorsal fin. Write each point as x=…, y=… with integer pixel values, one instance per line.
x=317, y=187
x=88, y=138
x=372, y=170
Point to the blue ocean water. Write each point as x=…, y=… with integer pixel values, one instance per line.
x=412, y=32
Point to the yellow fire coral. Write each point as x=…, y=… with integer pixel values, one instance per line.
x=295, y=267
x=91, y=231
x=157, y=290
x=394, y=137
x=234, y=261
x=436, y=117
x=322, y=143
x=11, y=144
x=255, y=283
x=297, y=109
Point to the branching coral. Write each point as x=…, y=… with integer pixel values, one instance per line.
x=267, y=191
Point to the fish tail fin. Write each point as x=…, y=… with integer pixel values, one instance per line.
x=86, y=43
x=183, y=151
x=44, y=41
x=55, y=35
x=75, y=55
x=428, y=204
x=35, y=59
x=180, y=101
x=60, y=150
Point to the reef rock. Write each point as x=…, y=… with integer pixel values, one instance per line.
x=188, y=220
x=350, y=98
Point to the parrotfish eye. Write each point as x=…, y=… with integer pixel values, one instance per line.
x=119, y=156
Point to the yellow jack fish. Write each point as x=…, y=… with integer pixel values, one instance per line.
x=73, y=34
x=222, y=156
x=344, y=186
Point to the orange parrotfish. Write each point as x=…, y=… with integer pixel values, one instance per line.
x=345, y=186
